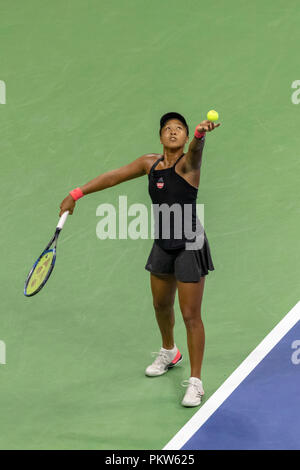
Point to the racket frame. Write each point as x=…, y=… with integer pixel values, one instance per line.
x=46, y=250
x=58, y=229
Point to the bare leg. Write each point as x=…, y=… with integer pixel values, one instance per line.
x=190, y=298
x=163, y=291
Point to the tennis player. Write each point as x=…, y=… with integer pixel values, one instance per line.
x=181, y=260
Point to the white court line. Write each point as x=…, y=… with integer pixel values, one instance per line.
x=234, y=380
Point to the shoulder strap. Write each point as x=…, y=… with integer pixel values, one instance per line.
x=155, y=164
x=178, y=160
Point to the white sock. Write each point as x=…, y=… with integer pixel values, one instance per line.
x=196, y=380
x=171, y=352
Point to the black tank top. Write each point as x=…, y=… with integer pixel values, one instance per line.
x=174, y=207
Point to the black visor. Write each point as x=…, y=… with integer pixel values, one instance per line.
x=168, y=116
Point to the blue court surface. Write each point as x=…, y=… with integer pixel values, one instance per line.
x=258, y=406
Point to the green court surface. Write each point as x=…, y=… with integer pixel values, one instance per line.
x=86, y=85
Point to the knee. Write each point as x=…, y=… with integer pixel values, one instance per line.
x=191, y=317
x=162, y=306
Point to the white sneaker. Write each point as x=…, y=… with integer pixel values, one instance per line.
x=165, y=360
x=194, y=392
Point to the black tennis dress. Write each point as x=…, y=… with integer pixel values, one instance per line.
x=181, y=246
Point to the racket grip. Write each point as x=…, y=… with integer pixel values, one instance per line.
x=62, y=220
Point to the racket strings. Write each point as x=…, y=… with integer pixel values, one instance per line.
x=40, y=272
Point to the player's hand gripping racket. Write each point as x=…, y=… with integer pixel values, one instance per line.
x=43, y=267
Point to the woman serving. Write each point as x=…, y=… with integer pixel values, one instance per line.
x=180, y=257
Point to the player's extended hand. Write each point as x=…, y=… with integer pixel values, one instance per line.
x=68, y=204
x=207, y=126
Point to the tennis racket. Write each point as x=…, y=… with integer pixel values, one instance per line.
x=43, y=267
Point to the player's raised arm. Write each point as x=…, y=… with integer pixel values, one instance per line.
x=194, y=153
x=105, y=180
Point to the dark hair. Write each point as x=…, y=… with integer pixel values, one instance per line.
x=166, y=117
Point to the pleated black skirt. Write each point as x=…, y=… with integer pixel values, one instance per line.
x=186, y=265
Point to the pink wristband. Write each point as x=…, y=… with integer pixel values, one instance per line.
x=76, y=194
x=198, y=134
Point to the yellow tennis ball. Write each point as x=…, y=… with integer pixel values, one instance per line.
x=212, y=115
